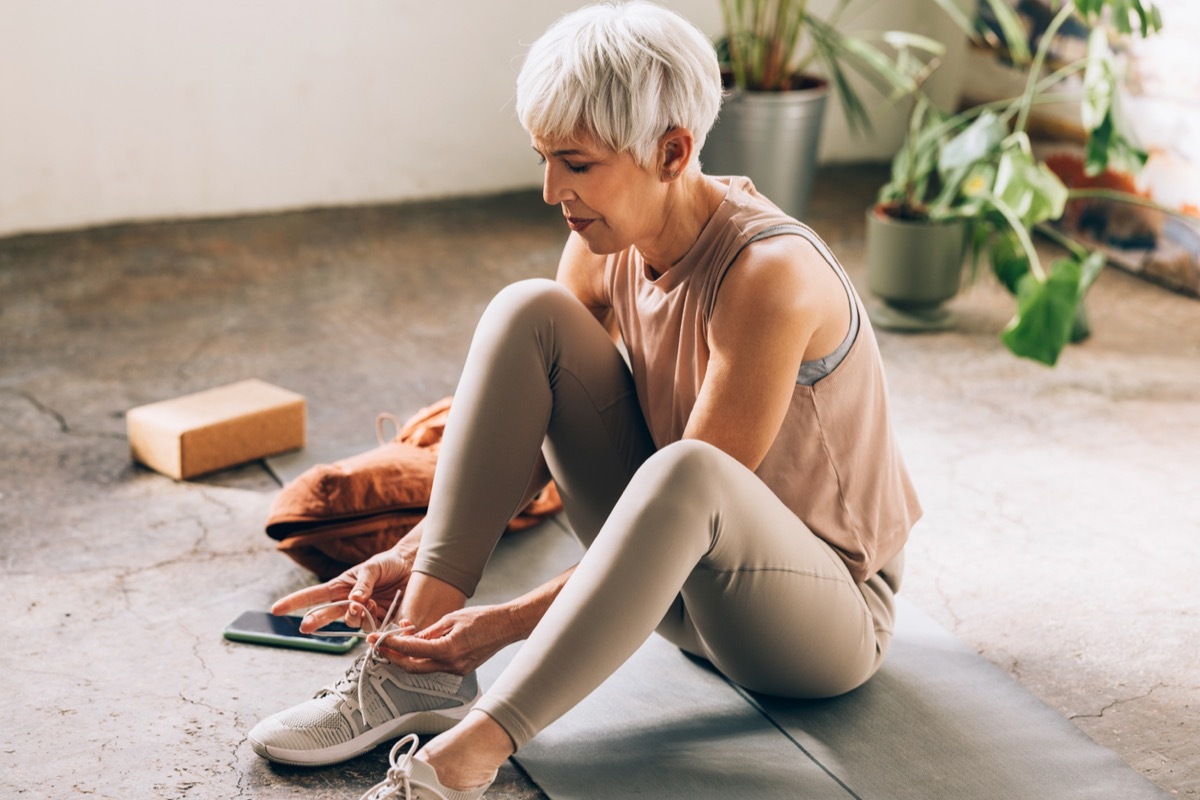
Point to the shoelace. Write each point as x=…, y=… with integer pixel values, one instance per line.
x=357, y=673
x=399, y=775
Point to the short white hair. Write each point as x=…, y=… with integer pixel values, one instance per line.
x=623, y=74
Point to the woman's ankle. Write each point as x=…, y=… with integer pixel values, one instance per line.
x=469, y=754
x=427, y=599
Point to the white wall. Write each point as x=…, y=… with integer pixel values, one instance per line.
x=141, y=109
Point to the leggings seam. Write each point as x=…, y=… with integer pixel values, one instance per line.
x=600, y=410
x=788, y=570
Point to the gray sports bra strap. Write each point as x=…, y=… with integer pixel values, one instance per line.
x=813, y=371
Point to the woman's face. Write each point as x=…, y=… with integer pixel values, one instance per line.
x=607, y=198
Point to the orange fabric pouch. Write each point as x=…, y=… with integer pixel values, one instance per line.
x=334, y=516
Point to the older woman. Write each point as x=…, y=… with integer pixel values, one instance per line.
x=735, y=483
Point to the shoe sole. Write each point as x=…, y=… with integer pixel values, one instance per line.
x=422, y=722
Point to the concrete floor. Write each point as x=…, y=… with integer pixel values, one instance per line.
x=1062, y=535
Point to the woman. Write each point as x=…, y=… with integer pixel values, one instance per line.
x=737, y=486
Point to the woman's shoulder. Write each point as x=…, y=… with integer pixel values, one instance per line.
x=778, y=262
x=747, y=217
x=760, y=238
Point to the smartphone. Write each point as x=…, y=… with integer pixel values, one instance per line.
x=263, y=627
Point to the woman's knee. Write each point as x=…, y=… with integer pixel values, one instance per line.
x=526, y=302
x=680, y=487
x=669, y=501
x=690, y=469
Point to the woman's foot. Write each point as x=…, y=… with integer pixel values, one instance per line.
x=417, y=779
x=469, y=754
x=373, y=702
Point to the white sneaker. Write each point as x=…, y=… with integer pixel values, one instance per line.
x=412, y=779
x=373, y=702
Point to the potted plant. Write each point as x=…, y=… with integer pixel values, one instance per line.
x=978, y=166
x=770, y=123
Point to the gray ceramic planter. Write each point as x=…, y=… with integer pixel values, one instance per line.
x=913, y=267
x=771, y=138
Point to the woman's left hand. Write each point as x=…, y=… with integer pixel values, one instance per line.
x=457, y=643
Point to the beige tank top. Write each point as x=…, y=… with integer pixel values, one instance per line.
x=835, y=462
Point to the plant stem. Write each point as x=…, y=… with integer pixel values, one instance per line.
x=1005, y=105
x=1022, y=234
x=1050, y=232
x=1035, y=69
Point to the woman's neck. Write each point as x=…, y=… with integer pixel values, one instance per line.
x=690, y=202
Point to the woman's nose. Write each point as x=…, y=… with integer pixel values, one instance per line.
x=553, y=190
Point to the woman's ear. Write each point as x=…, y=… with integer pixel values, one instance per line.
x=677, y=150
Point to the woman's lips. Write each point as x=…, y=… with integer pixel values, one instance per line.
x=578, y=224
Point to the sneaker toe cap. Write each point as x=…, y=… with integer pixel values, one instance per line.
x=299, y=729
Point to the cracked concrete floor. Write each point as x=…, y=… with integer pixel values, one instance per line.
x=1061, y=535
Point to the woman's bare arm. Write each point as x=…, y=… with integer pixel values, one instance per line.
x=779, y=304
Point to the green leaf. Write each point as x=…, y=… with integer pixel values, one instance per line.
x=1098, y=145
x=1090, y=269
x=879, y=69
x=857, y=117
x=1091, y=8
x=903, y=40
x=1081, y=326
x=1013, y=30
x=914, y=164
x=1009, y=262
x=1123, y=11
x=830, y=47
x=975, y=141
x=1099, y=80
x=1049, y=195
x=1029, y=187
x=977, y=180
x=1045, y=313
x=1106, y=148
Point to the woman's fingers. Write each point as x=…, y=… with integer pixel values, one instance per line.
x=415, y=647
x=365, y=583
x=319, y=618
x=356, y=585
x=403, y=651
x=310, y=596
x=355, y=613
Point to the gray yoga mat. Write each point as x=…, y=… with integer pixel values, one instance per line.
x=664, y=727
x=661, y=727
x=937, y=722
x=940, y=721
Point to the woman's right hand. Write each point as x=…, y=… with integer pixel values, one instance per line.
x=370, y=587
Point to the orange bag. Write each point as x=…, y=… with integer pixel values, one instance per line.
x=334, y=516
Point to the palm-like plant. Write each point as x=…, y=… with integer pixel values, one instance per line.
x=771, y=46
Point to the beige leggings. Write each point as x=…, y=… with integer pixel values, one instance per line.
x=684, y=540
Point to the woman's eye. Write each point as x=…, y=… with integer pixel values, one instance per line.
x=577, y=169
